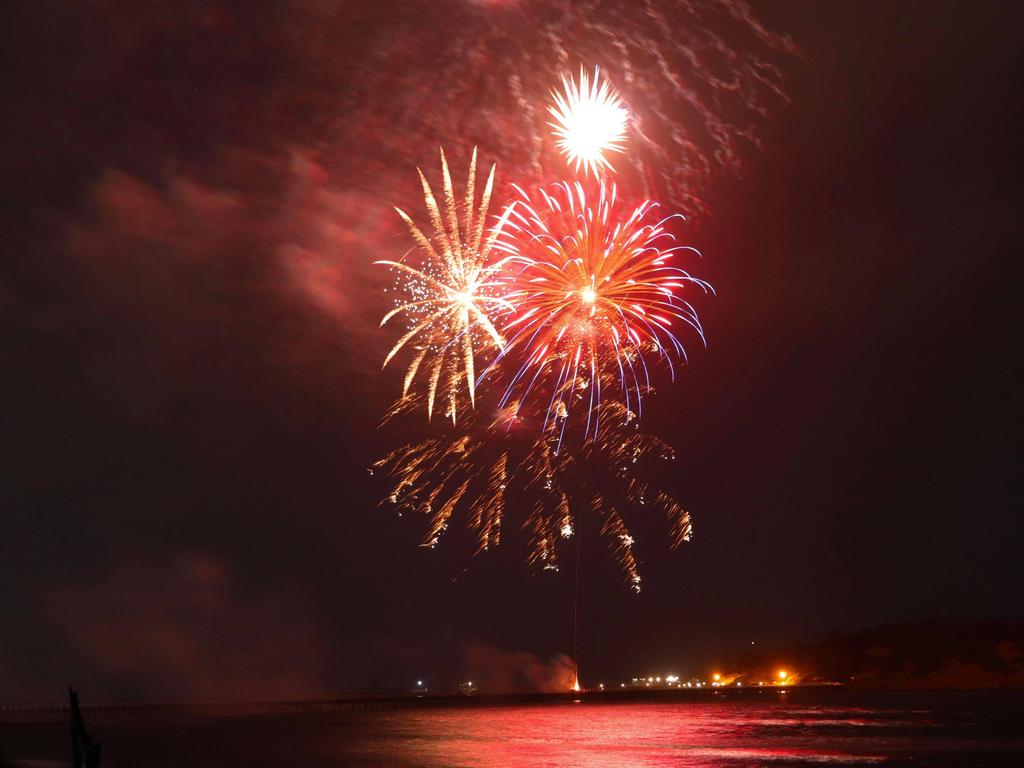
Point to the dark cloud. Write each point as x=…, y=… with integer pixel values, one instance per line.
x=186, y=627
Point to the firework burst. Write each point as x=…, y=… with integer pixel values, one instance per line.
x=596, y=293
x=483, y=472
x=589, y=122
x=447, y=295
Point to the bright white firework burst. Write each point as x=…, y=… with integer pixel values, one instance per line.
x=589, y=121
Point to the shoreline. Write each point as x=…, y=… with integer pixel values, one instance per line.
x=13, y=714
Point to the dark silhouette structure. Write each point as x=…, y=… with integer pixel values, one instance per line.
x=86, y=752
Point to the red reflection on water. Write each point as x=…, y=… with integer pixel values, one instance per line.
x=623, y=736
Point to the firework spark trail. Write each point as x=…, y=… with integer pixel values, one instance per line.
x=480, y=470
x=620, y=542
x=448, y=295
x=595, y=292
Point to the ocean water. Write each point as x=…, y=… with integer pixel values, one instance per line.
x=835, y=728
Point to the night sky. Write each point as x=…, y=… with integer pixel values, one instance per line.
x=194, y=194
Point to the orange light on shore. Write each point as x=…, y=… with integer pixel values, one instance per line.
x=783, y=675
x=716, y=677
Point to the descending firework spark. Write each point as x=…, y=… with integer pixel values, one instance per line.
x=589, y=122
x=473, y=472
x=596, y=293
x=449, y=298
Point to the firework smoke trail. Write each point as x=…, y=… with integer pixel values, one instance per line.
x=695, y=100
x=596, y=291
x=482, y=471
x=447, y=295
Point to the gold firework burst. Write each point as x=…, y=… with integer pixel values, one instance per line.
x=484, y=473
x=448, y=292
